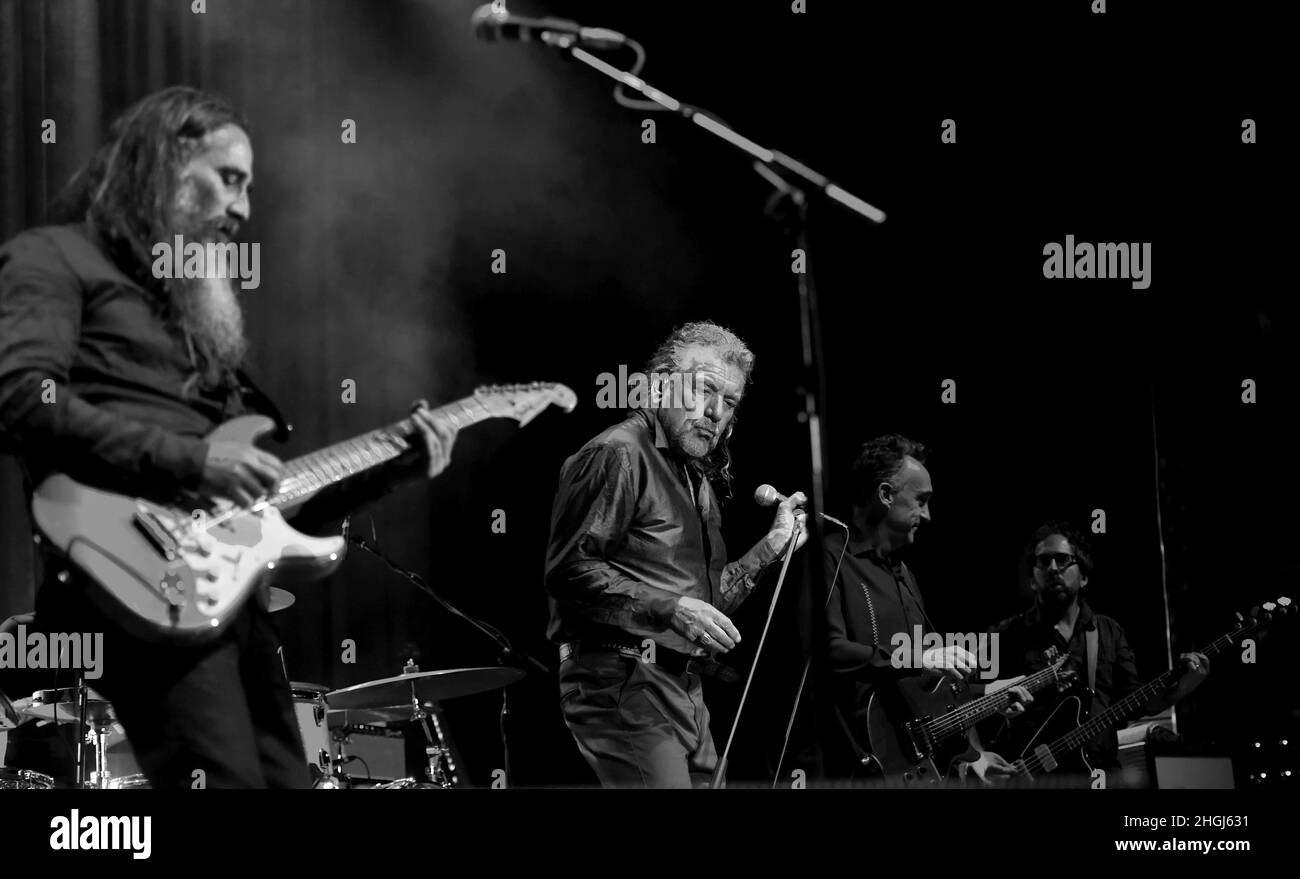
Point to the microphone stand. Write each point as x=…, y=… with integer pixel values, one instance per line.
x=509, y=653
x=788, y=206
x=720, y=772
x=803, y=678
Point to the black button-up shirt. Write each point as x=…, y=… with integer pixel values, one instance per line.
x=875, y=598
x=1022, y=643
x=95, y=383
x=634, y=529
x=123, y=408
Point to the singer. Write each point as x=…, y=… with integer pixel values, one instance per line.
x=636, y=568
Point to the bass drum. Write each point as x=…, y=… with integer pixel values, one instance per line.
x=24, y=779
x=309, y=707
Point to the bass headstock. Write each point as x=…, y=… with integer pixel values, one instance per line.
x=1265, y=613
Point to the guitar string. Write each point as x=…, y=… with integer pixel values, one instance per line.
x=1067, y=743
x=966, y=715
x=946, y=726
x=396, y=431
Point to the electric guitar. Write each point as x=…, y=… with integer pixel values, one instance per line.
x=925, y=748
x=182, y=571
x=1048, y=750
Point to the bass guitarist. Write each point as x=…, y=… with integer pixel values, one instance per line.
x=1060, y=562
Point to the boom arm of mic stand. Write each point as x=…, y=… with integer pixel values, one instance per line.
x=508, y=650
x=767, y=156
x=720, y=772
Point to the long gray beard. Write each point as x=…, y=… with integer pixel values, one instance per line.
x=210, y=312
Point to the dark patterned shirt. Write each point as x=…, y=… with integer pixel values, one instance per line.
x=634, y=529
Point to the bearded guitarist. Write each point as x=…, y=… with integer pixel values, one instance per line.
x=873, y=596
x=1061, y=565
x=115, y=376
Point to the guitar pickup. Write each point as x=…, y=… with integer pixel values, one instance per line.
x=155, y=532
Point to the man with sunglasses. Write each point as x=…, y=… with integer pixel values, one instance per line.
x=1060, y=563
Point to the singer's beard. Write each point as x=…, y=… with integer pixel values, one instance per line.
x=685, y=439
x=209, y=310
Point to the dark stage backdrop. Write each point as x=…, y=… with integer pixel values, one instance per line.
x=1071, y=396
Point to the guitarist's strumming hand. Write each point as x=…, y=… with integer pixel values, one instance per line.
x=239, y=472
x=439, y=437
x=988, y=767
x=955, y=662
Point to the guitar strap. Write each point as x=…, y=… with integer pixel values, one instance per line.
x=1090, y=639
x=257, y=400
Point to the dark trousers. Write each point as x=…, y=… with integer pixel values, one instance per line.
x=636, y=724
x=217, y=715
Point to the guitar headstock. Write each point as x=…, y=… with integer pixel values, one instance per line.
x=1265, y=613
x=1064, y=677
x=523, y=403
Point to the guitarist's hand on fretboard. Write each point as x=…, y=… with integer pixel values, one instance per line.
x=953, y=661
x=439, y=437
x=1198, y=669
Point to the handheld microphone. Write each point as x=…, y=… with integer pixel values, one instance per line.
x=767, y=496
x=492, y=21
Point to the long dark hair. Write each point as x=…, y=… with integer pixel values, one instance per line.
x=125, y=192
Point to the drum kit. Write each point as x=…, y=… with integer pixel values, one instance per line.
x=332, y=723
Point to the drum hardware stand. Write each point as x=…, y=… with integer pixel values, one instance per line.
x=83, y=708
x=88, y=733
x=332, y=777
x=510, y=655
x=101, y=778
x=441, y=770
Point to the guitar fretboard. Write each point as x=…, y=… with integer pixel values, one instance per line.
x=1134, y=702
x=328, y=466
x=973, y=712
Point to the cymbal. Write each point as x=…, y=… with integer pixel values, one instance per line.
x=280, y=599
x=61, y=706
x=395, y=694
x=304, y=688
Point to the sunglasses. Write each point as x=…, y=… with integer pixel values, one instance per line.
x=1063, y=560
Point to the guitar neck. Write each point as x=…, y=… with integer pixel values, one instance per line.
x=328, y=466
x=1134, y=702
x=986, y=706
